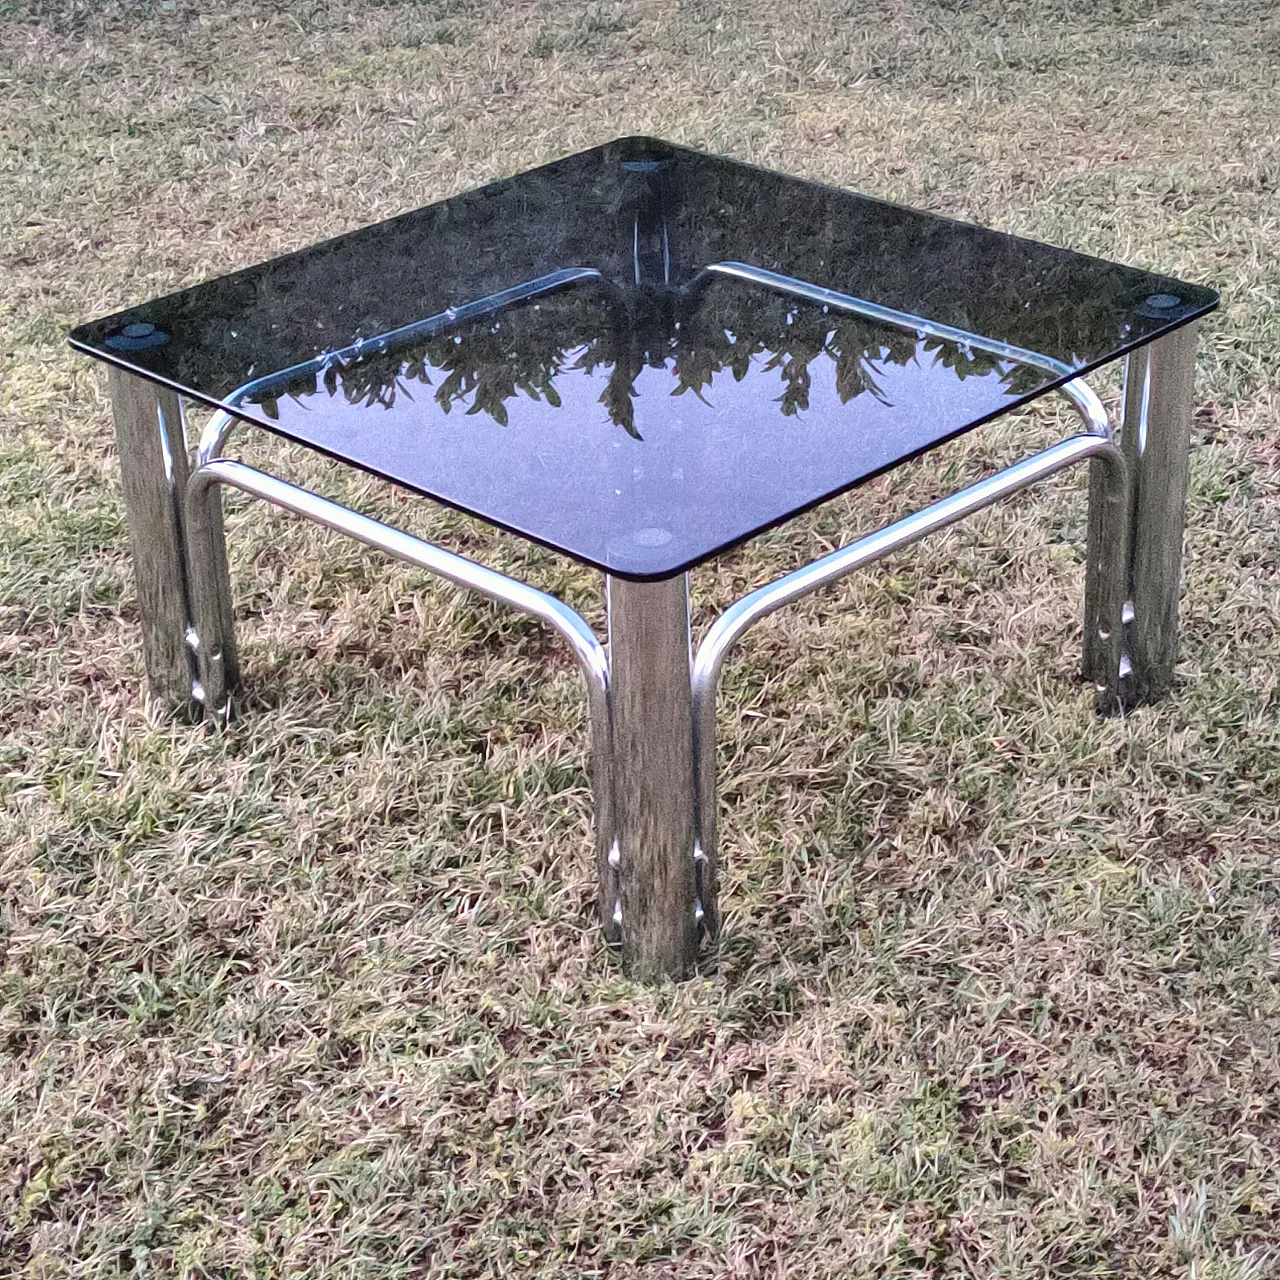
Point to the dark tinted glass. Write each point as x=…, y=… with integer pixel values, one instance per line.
x=641, y=354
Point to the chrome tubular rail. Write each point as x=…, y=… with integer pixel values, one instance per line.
x=215, y=435
x=1088, y=406
x=922, y=327
x=1104, y=617
x=213, y=687
x=591, y=654
x=730, y=626
x=418, y=329
x=219, y=427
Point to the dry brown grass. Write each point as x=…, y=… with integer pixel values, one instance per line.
x=322, y=997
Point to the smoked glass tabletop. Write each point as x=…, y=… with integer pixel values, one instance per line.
x=642, y=355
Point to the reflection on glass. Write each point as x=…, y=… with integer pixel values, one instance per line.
x=723, y=331
x=645, y=434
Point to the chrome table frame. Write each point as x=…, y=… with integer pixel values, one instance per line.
x=651, y=694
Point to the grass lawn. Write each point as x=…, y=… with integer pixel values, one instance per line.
x=323, y=996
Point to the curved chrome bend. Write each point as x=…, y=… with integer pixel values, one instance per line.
x=1090, y=408
x=919, y=325
x=771, y=597
x=591, y=654
x=730, y=626
x=215, y=435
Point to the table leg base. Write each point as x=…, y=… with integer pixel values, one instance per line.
x=1155, y=437
x=651, y=761
x=152, y=445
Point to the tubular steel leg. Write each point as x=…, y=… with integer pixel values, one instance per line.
x=608, y=902
x=213, y=631
x=730, y=626
x=1155, y=438
x=1106, y=661
x=1159, y=407
x=153, y=470
x=652, y=766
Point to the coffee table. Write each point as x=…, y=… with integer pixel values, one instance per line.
x=641, y=356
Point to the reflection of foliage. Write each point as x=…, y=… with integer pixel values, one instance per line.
x=487, y=362
x=724, y=327
x=734, y=326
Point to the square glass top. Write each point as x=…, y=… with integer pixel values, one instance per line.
x=641, y=355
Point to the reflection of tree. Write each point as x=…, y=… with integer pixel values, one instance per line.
x=518, y=350
x=722, y=328
x=738, y=325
